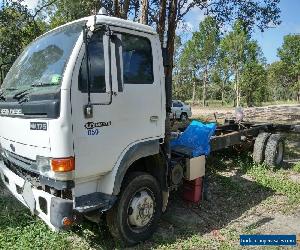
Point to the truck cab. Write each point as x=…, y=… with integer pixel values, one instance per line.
x=82, y=124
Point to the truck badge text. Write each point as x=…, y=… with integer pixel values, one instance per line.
x=38, y=126
x=11, y=112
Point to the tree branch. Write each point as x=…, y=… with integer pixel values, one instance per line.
x=41, y=8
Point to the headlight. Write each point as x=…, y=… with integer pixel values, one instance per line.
x=43, y=164
x=61, y=168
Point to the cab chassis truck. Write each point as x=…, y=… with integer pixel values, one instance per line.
x=84, y=130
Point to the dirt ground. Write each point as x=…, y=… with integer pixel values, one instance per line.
x=274, y=113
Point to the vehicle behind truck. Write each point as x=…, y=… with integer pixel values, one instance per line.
x=82, y=127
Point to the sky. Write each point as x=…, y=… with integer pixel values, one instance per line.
x=270, y=40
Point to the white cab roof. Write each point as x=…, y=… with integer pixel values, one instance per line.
x=115, y=22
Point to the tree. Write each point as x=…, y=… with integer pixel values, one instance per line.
x=289, y=54
x=200, y=54
x=222, y=73
x=144, y=12
x=253, y=12
x=239, y=51
x=279, y=81
x=18, y=27
x=254, y=83
x=233, y=47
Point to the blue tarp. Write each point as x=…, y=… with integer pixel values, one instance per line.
x=196, y=137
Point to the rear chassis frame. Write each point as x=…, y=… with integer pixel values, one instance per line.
x=233, y=133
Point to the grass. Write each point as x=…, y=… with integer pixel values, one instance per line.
x=296, y=167
x=233, y=179
x=19, y=230
x=277, y=181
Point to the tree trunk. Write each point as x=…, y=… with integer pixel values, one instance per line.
x=237, y=88
x=238, y=103
x=204, y=86
x=116, y=8
x=172, y=23
x=144, y=12
x=298, y=94
x=194, y=91
x=162, y=21
x=125, y=9
x=222, y=91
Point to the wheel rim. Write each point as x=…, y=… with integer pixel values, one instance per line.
x=183, y=117
x=279, y=153
x=141, y=210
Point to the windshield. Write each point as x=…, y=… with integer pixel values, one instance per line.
x=43, y=62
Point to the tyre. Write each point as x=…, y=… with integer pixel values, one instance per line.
x=274, y=150
x=183, y=117
x=134, y=217
x=259, y=147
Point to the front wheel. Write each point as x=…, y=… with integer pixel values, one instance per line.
x=135, y=215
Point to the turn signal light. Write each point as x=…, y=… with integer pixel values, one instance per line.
x=67, y=222
x=63, y=164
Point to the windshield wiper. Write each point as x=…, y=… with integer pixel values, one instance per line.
x=43, y=84
x=2, y=97
x=21, y=94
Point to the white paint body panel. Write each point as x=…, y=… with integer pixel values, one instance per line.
x=97, y=158
x=14, y=181
x=129, y=115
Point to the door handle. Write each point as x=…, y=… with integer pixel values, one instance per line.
x=153, y=118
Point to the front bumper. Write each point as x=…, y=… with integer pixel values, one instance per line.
x=49, y=208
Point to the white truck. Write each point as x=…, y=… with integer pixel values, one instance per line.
x=82, y=127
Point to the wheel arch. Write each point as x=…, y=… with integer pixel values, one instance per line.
x=144, y=156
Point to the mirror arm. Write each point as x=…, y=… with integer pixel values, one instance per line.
x=88, y=86
x=88, y=109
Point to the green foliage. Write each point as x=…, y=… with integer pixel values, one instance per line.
x=18, y=27
x=279, y=81
x=234, y=65
x=289, y=54
x=233, y=47
x=204, y=69
x=199, y=54
x=254, y=83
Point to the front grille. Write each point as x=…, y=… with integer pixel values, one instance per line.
x=18, y=162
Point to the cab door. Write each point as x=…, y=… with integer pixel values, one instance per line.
x=122, y=65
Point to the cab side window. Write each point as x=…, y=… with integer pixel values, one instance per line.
x=137, y=60
x=96, y=66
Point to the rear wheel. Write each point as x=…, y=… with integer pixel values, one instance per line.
x=135, y=215
x=274, y=150
x=259, y=147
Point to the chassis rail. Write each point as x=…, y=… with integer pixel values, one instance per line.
x=233, y=133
